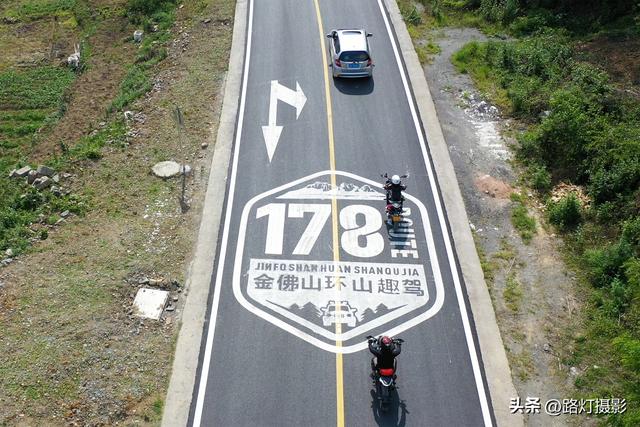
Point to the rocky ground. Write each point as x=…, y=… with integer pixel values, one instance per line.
x=534, y=294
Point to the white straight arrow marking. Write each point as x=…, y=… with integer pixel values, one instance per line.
x=295, y=98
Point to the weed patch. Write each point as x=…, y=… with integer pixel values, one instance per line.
x=38, y=88
x=520, y=218
x=512, y=293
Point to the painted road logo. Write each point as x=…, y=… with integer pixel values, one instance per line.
x=384, y=281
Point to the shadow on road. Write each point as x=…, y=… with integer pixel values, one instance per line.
x=394, y=416
x=354, y=86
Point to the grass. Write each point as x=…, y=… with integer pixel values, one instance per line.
x=507, y=251
x=29, y=101
x=520, y=218
x=489, y=266
x=135, y=84
x=151, y=51
x=522, y=364
x=36, y=9
x=71, y=354
x=512, y=293
x=38, y=88
x=467, y=61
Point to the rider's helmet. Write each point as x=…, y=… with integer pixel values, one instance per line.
x=395, y=179
x=386, y=342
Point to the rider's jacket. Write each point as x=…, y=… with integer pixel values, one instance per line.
x=384, y=356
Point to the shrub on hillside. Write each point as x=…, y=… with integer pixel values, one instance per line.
x=566, y=213
x=503, y=11
x=539, y=178
x=607, y=263
x=148, y=7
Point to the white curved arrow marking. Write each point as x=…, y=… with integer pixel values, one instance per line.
x=296, y=99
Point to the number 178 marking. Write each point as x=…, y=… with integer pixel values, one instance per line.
x=351, y=239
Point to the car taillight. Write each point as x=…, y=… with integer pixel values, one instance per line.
x=369, y=62
x=338, y=63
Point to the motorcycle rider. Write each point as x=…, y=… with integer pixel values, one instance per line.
x=385, y=351
x=394, y=189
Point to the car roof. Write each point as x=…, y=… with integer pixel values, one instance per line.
x=352, y=40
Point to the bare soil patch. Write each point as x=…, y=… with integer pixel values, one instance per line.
x=493, y=187
x=620, y=58
x=93, y=91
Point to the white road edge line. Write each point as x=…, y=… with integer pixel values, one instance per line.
x=206, y=361
x=486, y=414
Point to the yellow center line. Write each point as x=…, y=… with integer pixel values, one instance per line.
x=334, y=222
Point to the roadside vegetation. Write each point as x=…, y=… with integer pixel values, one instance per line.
x=71, y=262
x=569, y=74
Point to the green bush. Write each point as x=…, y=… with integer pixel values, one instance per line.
x=412, y=16
x=528, y=96
x=607, y=263
x=566, y=213
x=631, y=233
x=539, y=178
x=503, y=11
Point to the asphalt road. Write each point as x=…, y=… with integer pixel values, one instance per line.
x=306, y=268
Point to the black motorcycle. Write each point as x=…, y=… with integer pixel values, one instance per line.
x=394, y=207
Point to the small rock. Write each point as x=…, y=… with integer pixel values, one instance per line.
x=56, y=178
x=186, y=169
x=56, y=191
x=42, y=182
x=204, y=145
x=143, y=281
x=170, y=308
x=45, y=171
x=9, y=252
x=155, y=28
x=128, y=115
x=66, y=175
x=166, y=169
x=102, y=124
x=574, y=371
x=206, y=21
x=175, y=299
x=32, y=176
x=546, y=347
x=65, y=214
x=23, y=171
x=137, y=36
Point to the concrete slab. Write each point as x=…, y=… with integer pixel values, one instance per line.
x=149, y=303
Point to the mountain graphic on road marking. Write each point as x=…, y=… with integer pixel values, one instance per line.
x=324, y=190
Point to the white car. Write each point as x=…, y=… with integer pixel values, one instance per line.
x=350, y=53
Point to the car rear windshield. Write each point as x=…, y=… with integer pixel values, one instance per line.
x=354, y=56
